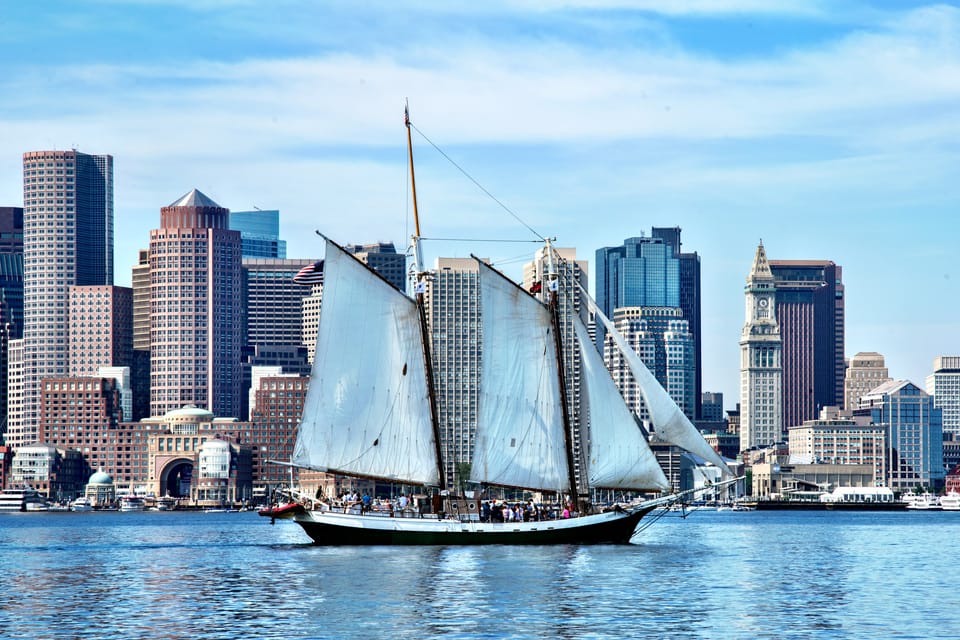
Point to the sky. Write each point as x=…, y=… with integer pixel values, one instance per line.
x=826, y=130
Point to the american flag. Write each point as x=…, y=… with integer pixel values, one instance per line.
x=310, y=274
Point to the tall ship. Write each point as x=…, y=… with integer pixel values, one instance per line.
x=371, y=412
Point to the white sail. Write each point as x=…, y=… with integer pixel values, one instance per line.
x=519, y=441
x=619, y=455
x=367, y=410
x=669, y=422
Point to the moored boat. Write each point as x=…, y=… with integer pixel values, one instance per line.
x=82, y=503
x=132, y=502
x=23, y=499
x=372, y=411
x=950, y=501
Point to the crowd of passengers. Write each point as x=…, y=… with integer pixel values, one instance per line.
x=490, y=510
x=499, y=511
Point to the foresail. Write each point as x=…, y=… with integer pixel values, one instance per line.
x=519, y=440
x=619, y=455
x=669, y=422
x=367, y=410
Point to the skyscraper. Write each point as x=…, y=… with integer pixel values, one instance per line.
x=384, y=259
x=101, y=329
x=653, y=272
x=259, y=233
x=761, y=374
x=810, y=312
x=11, y=295
x=67, y=240
x=196, y=324
x=944, y=385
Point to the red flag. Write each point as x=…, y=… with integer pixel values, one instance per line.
x=536, y=287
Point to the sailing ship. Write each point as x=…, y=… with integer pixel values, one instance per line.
x=371, y=412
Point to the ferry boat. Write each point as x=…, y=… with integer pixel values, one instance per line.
x=25, y=499
x=922, y=502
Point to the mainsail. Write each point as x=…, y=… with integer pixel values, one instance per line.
x=669, y=422
x=367, y=410
x=619, y=455
x=519, y=441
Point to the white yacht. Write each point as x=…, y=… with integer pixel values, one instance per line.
x=132, y=503
x=950, y=501
x=22, y=500
x=922, y=501
x=82, y=503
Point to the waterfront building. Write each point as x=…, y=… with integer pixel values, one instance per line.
x=914, y=434
x=100, y=490
x=453, y=313
x=197, y=317
x=223, y=475
x=777, y=480
x=259, y=233
x=865, y=373
x=58, y=474
x=810, y=314
x=761, y=365
x=661, y=337
x=84, y=413
x=726, y=444
x=274, y=417
x=101, y=328
x=67, y=241
x=832, y=439
x=11, y=295
x=653, y=272
x=944, y=385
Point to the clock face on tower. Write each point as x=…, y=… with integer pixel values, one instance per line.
x=763, y=303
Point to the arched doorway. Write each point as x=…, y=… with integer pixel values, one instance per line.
x=175, y=479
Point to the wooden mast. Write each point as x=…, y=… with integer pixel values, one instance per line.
x=419, y=288
x=553, y=286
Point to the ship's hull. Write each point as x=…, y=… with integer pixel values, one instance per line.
x=330, y=528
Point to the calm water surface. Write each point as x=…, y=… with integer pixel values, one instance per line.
x=712, y=575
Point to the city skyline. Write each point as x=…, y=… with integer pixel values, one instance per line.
x=824, y=131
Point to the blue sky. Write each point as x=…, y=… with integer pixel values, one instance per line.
x=827, y=129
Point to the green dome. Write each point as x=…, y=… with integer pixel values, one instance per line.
x=100, y=477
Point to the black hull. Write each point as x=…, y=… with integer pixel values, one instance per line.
x=616, y=530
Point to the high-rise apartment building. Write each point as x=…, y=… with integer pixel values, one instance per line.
x=259, y=233
x=67, y=241
x=761, y=373
x=865, y=373
x=944, y=385
x=101, y=328
x=914, y=434
x=453, y=313
x=810, y=312
x=572, y=275
x=197, y=318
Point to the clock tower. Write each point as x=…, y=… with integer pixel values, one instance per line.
x=761, y=362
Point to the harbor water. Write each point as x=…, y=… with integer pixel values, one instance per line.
x=711, y=575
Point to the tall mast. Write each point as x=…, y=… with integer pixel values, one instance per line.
x=553, y=286
x=419, y=287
